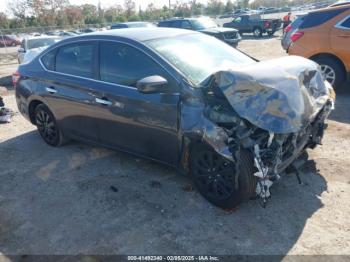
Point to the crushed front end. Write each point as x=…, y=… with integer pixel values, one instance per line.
x=274, y=109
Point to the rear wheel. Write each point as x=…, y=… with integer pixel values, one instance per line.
x=257, y=32
x=331, y=70
x=215, y=176
x=47, y=126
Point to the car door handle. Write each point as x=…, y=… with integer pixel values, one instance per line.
x=51, y=90
x=103, y=101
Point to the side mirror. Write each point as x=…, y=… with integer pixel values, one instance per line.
x=21, y=50
x=152, y=85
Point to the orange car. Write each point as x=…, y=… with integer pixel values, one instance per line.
x=324, y=36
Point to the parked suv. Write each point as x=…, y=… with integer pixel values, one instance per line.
x=324, y=36
x=253, y=23
x=182, y=98
x=204, y=25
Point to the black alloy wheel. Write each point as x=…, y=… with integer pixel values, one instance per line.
x=215, y=177
x=47, y=126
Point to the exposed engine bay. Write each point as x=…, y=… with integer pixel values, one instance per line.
x=274, y=109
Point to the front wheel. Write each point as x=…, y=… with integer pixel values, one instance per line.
x=216, y=179
x=47, y=126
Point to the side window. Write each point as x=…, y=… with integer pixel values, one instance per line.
x=237, y=20
x=318, y=18
x=186, y=24
x=164, y=24
x=22, y=44
x=48, y=60
x=176, y=24
x=346, y=23
x=245, y=19
x=125, y=65
x=75, y=59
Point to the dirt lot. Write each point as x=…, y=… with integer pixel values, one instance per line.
x=82, y=199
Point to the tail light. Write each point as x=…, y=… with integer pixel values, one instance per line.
x=296, y=36
x=15, y=76
x=267, y=24
x=288, y=28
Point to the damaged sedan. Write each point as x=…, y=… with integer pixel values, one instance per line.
x=181, y=98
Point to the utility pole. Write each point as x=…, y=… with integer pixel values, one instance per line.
x=169, y=8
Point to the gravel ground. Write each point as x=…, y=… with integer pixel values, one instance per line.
x=81, y=199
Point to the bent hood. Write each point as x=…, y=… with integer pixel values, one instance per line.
x=281, y=95
x=218, y=30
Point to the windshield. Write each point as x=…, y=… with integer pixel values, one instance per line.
x=141, y=25
x=198, y=56
x=35, y=43
x=203, y=23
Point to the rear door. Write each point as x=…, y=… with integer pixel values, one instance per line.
x=145, y=124
x=69, y=88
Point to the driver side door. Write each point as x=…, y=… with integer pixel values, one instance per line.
x=144, y=124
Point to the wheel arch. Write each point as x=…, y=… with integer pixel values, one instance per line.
x=31, y=108
x=330, y=56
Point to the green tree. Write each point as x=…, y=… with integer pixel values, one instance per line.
x=89, y=13
x=4, y=21
x=129, y=6
x=229, y=6
x=74, y=15
x=215, y=7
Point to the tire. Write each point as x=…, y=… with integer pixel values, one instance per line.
x=271, y=33
x=257, y=32
x=47, y=126
x=218, y=184
x=330, y=66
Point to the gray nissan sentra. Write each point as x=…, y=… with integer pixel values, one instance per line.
x=182, y=98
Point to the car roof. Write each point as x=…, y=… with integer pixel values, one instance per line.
x=132, y=23
x=332, y=7
x=140, y=34
x=41, y=37
x=340, y=3
x=184, y=18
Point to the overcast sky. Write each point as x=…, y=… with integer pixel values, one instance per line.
x=107, y=3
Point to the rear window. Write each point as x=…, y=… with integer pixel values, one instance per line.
x=39, y=42
x=297, y=22
x=119, y=26
x=48, y=60
x=75, y=59
x=319, y=18
x=164, y=24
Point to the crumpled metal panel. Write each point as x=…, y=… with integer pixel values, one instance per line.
x=280, y=95
x=195, y=123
